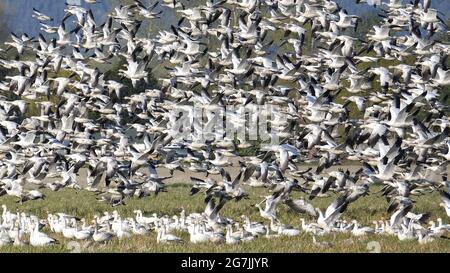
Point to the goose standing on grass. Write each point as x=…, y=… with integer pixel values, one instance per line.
x=5, y=239
x=164, y=237
x=361, y=231
x=270, y=210
x=145, y=220
x=425, y=237
x=139, y=229
x=288, y=231
x=18, y=238
x=255, y=228
x=268, y=235
x=38, y=238
x=310, y=227
x=231, y=238
x=441, y=225
x=101, y=236
x=197, y=235
x=83, y=233
x=69, y=231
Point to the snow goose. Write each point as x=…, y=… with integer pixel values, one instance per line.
x=219, y=160
x=163, y=237
x=442, y=226
x=255, y=228
x=14, y=188
x=268, y=235
x=135, y=69
x=446, y=154
x=67, y=230
x=18, y=238
x=31, y=195
x=344, y=227
x=140, y=219
x=101, y=236
x=406, y=233
x=55, y=225
x=269, y=212
x=436, y=230
x=442, y=77
x=84, y=232
x=425, y=237
x=118, y=223
x=38, y=238
x=332, y=213
x=361, y=231
x=197, y=235
x=310, y=227
x=301, y=206
x=387, y=228
x=347, y=21
x=5, y=212
x=217, y=238
x=381, y=33
x=246, y=236
x=5, y=239
x=230, y=238
x=378, y=229
x=139, y=229
x=14, y=227
x=19, y=43
x=147, y=12
x=288, y=231
x=121, y=233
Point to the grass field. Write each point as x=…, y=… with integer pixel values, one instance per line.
x=365, y=210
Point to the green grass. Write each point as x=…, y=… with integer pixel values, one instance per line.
x=365, y=210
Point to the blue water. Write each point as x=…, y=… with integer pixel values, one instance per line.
x=18, y=12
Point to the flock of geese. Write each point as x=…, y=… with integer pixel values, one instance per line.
x=377, y=99
x=14, y=227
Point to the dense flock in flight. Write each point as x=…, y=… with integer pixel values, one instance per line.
x=377, y=99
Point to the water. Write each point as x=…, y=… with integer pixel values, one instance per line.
x=18, y=12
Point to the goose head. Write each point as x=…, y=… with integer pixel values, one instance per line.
x=246, y=219
x=280, y=229
x=302, y=220
x=376, y=224
x=229, y=230
x=432, y=224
